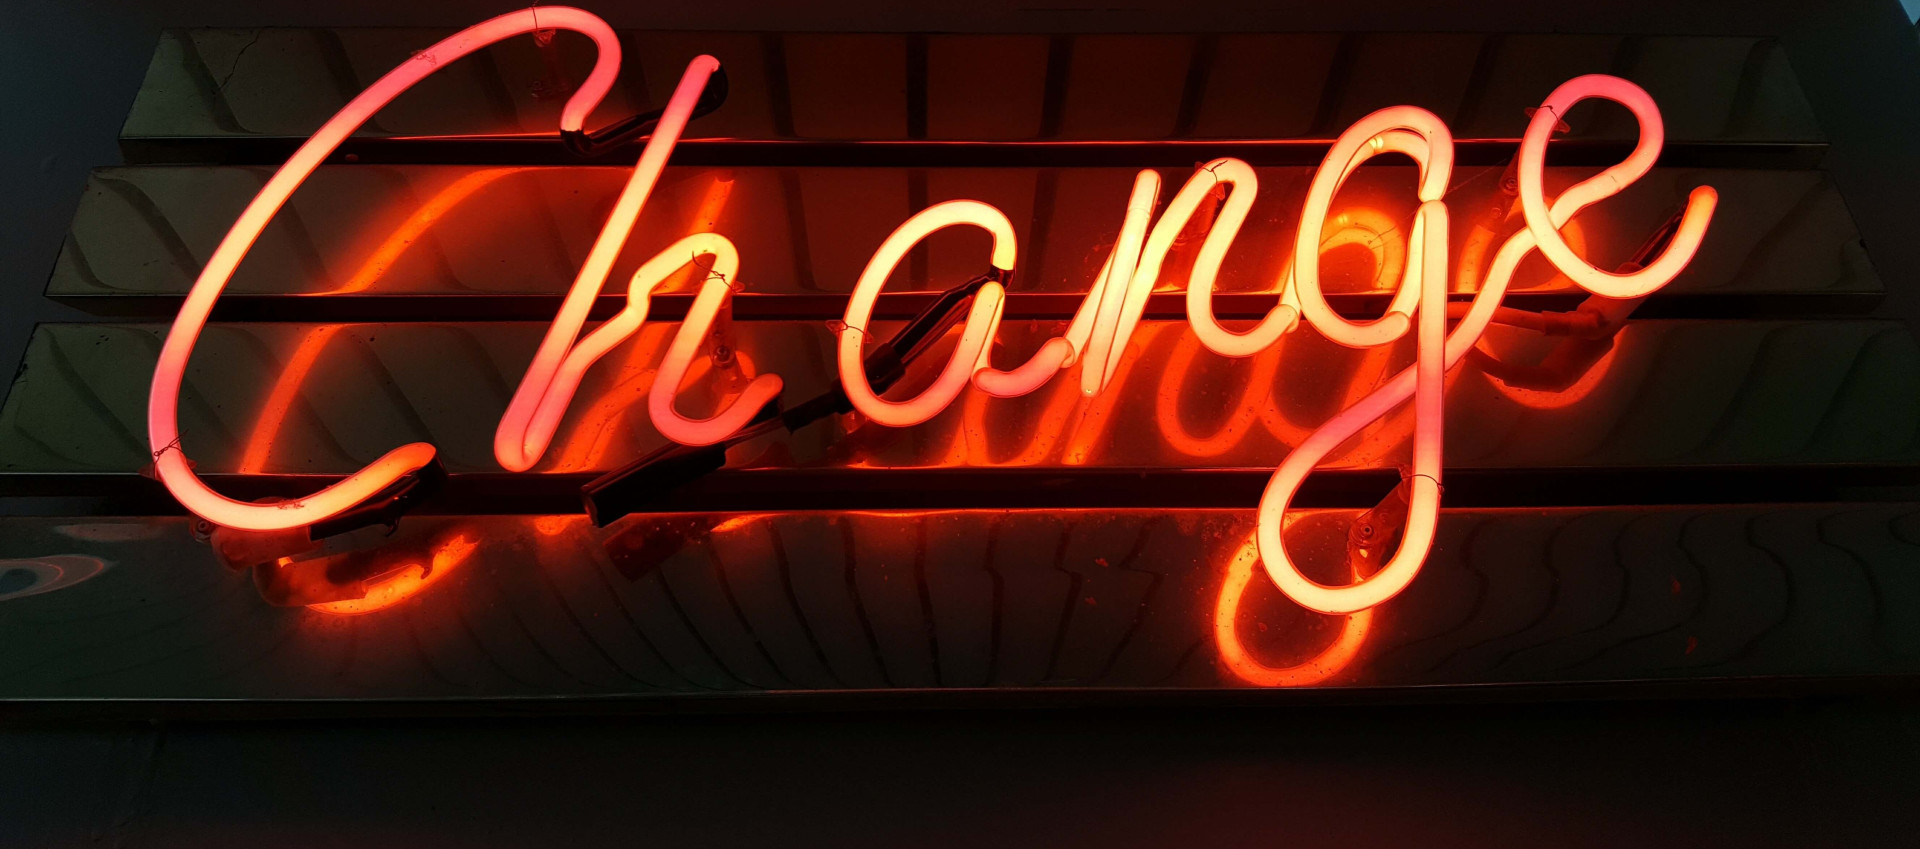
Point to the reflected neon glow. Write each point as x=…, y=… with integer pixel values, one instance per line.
x=1325, y=664
x=406, y=582
x=1096, y=341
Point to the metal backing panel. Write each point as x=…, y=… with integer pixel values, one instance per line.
x=391, y=237
x=327, y=399
x=220, y=86
x=811, y=567
x=746, y=603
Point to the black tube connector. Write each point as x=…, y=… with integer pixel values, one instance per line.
x=387, y=506
x=647, y=483
x=590, y=145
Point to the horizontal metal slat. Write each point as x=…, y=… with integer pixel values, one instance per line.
x=216, y=92
x=1810, y=398
x=1017, y=488
x=680, y=613
x=541, y=151
x=434, y=242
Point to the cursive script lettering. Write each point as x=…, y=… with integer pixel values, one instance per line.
x=1096, y=338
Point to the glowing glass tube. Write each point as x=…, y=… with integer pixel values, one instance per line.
x=564, y=379
x=1646, y=150
x=170, y=462
x=1424, y=382
x=1401, y=129
x=1112, y=309
x=1118, y=280
x=1279, y=321
x=542, y=397
x=976, y=335
x=1060, y=352
x=1096, y=338
x=693, y=330
x=1387, y=129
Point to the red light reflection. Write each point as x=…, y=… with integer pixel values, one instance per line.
x=1326, y=664
x=273, y=412
x=1567, y=375
x=381, y=260
x=1255, y=400
x=407, y=582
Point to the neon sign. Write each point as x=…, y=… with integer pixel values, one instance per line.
x=1095, y=340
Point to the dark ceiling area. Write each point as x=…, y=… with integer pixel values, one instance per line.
x=1801, y=768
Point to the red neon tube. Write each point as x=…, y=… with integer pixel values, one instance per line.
x=170, y=461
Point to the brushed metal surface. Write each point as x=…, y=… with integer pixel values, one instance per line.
x=1669, y=393
x=748, y=603
x=371, y=233
x=265, y=84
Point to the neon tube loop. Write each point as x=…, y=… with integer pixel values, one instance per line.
x=1426, y=260
x=1424, y=380
x=1127, y=279
x=534, y=412
x=170, y=462
x=565, y=379
x=1106, y=320
x=1401, y=129
x=1244, y=186
x=1420, y=135
x=1119, y=280
x=673, y=368
x=1234, y=653
x=976, y=335
x=1646, y=150
x=1096, y=338
x=1092, y=317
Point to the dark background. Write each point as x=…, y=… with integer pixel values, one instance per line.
x=1840, y=771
